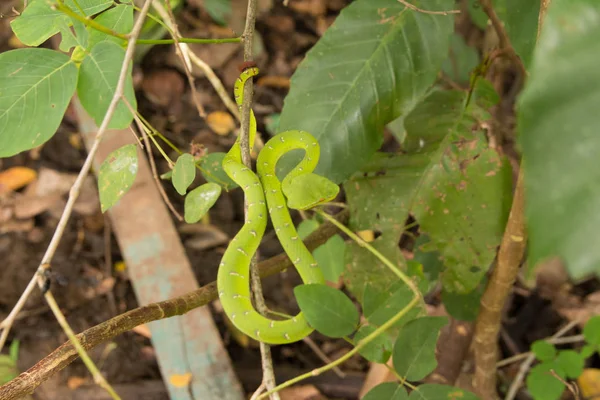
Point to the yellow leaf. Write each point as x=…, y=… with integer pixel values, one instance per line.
x=589, y=383
x=15, y=178
x=220, y=122
x=181, y=380
x=367, y=236
x=120, y=266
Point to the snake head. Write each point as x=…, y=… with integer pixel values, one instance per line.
x=308, y=190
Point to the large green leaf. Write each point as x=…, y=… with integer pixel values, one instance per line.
x=387, y=391
x=39, y=21
x=98, y=77
x=36, y=86
x=558, y=122
x=375, y=62
x=184, y=173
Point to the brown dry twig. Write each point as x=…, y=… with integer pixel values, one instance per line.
x=27, y=381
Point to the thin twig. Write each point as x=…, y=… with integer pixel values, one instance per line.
x=518, y=381
x=74, y=192
x=415, y=8
x=313, y=346
x=265, y=349
x=169, y=19
x=101, y=333
x=505, y=43
x=519, y=357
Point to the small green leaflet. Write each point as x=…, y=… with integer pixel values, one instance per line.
x=184, y=173
x=543, y=350
x=328, y=310
x=542, y=385
x=330, y=257
x=117, y=174
x=199, y=201
x=212, y=170
x=414, y=350
x=118, y=18
x=306, y=227
x=591, y=330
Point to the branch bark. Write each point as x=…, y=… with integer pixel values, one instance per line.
x=27, y=381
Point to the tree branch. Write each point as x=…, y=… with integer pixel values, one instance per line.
x=27, y=381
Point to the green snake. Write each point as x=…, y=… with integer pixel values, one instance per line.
x=266, y=195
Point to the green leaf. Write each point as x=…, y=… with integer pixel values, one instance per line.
x=98, y=77
x=373, y=64
x=414, y=350
x=212, y=170
x=387, y=391
x=591, y=330
x=184, y=173
x=463, y=200
x=379, y=349
x=70, y=39
x=219, y=10
x=379, y=306
x=309, y=190
x=543, y=350
x=542, y=385
x=425, y=254
x=588, y=350
x=462, y=60
x=571, y=363
x=199, y=201
x=432, y=391
x=117, y=174
x=8, y=369
x=558, y=123
x=327, y=310
x=363, y=269
x=119, y=19
x=306, y=227
x=13, y=350
x=521, y=23
x=36, y=86
x=38, y=22
x=464, y=307
x=330, y=257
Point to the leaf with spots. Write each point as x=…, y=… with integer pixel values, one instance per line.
x=330, y=257
x=379, y=349
x=36, y=86
x=372, y=65
x=117, y=174
x=326, y=309
x=199, y=201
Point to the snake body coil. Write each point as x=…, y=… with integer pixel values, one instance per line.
x=262, y=191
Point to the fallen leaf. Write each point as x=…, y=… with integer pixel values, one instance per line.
x=143, y=330
x=280, y=82
x=75, y=381
x=302, y=392
x=15, y=178
x=367, y=235
x=589, y=383
x=30, y=206
x=220, y=122
x=180, y=380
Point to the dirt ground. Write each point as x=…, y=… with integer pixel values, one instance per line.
x=86, y=279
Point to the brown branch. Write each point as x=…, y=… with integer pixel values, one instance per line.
x=101, y=333
x=505, y=43
x=503, y=277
